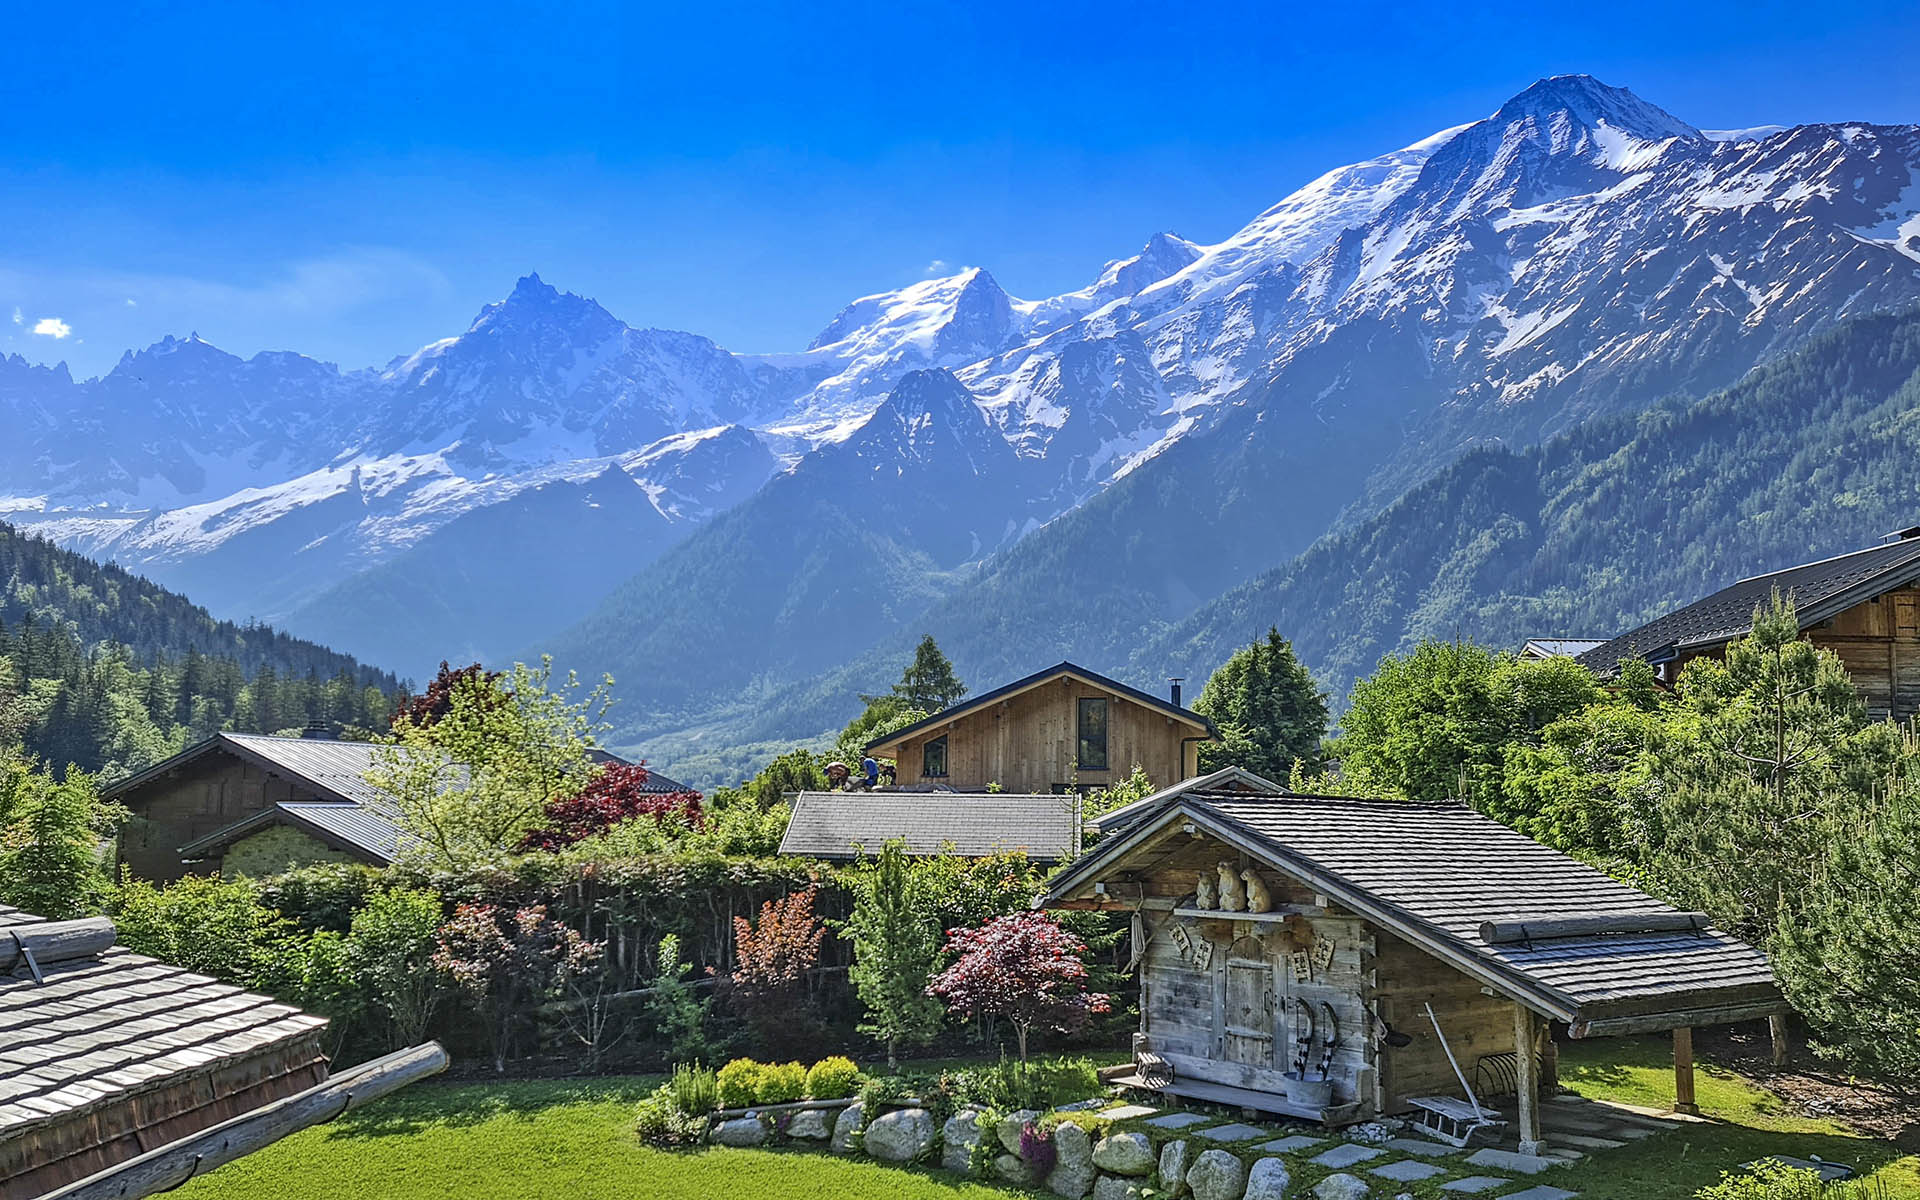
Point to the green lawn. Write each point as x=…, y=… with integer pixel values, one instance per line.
x=572, y=1139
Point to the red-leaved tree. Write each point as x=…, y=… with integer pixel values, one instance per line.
x=429, y=706
x=505, y=961
x=1023, y=967
x=772, y=957
x=618, y=793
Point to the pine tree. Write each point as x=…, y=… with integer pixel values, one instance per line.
x=929, y=684
x=1268, y=709
x=895, y=946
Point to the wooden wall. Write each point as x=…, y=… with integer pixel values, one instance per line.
x=1028, y=743
x=1879, y=641
x=200, y=797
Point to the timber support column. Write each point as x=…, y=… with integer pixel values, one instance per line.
x=1683, y=1101
x=1526, y=1039
x=1777, y=1027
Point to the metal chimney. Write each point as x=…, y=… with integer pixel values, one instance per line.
x=1174, y=691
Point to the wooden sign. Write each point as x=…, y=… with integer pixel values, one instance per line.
x=1302, y=966
x=1323, y=954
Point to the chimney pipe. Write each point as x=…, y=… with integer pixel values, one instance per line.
x=317, y=731
x=1176, y=681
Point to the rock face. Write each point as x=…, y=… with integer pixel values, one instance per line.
x=810, y=1124
x=844, y=1126
x=1124, y=1154
x=741, y=1131
x=1268, y=1180
x=958, y=1137
x=1116, y=1187
x=1072, y=1174
x=1217, y=1175
x=901, y=1135
x=1341, y=1187
x=1008, y=1130
x=1173, y=1168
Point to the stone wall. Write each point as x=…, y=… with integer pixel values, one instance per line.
x=278, y=849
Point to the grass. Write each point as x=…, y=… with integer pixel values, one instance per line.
x=573, y=1138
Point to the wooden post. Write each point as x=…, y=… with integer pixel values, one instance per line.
x=1683, y=1101
x=1777, y=1026
x=1549, y=1060
x=1525, y=1036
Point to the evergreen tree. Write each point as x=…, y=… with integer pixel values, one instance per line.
x=929, y=683
x=1268, y=709
x=50, y=841
x=895, y=947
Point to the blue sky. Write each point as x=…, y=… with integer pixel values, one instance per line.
x=354, y=180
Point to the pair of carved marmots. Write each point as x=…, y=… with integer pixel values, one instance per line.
x=1231, y=897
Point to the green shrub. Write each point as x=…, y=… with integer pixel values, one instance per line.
x=1775, y=1180
x=1010, y=1085
x=832, y=1079
x=695, y=1088
x=660, y=1121
x=739, y=1083
x=782, y=1083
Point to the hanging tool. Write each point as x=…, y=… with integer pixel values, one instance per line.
x=1303, y=1038
x=1478, y=1113
x=1331, y=1040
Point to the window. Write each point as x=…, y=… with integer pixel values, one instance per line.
x=933, y=758
x=1093, y=735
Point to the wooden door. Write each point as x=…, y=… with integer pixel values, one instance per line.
x=1248, y=1012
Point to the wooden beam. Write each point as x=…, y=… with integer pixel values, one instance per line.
x=1777, y=1028
x=167, y=1167
x=1725, y=1014
x=1496, y=933
x=1683, y=1101
x=1525, y=1038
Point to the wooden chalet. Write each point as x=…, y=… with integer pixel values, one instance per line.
x=1062, y=729
x=1864, y=606
x=106, y=1054
x=1367, y=932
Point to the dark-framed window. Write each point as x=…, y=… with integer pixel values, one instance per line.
x=933, y=758
x=1093, y=735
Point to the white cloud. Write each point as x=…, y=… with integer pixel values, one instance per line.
x=938, y=266
x=17, y=317
x=132, y=303
x=52, y=327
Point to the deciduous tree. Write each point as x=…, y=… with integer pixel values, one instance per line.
x=1023, y=967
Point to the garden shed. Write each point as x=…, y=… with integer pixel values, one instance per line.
x=106, y=1054
x=1389, y=957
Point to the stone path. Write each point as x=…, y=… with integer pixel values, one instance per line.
x=1232, y=1133
x=1288, y=1145
x=1126, y=1112
x=1348, y=1155
x=1177, y=1120
x=1473, y=1185
x=1407, y=1170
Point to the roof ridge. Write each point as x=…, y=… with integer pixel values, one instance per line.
x=1818, y=562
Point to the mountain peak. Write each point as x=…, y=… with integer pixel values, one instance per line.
x=532, y=287
x=1591, y=103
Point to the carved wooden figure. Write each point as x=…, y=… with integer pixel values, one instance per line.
x=1203, y=892
x=1232, y=899
x=1259, y=900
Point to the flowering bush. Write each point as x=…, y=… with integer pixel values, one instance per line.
x=1023, y=967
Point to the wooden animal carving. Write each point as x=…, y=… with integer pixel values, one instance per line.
x=1232, y=899
x=1203, y=892
x=1259, y=899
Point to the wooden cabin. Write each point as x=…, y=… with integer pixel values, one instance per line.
x=1062, y=729
x=110, y=1054
x=1863, y=606
x=1397, y=958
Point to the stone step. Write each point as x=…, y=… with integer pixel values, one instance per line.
x=1583, y=1141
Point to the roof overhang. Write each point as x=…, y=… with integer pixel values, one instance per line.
x=1223, y=779
x=279, y=814
x=1038, y=679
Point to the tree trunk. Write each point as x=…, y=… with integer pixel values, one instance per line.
x=1020, y=1034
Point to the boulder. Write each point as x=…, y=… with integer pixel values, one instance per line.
x=1217, y=1175
x=1072, y=1174
x=1268, y=1180
x=1011, y=1168
x=1173, y=1168
x=811, y=1124
x=1124, y=1154
x=958, y=1137
x=901, y=1135
x=741, y=1131
x=1008, y=1131
x=1341, y=1187
x=1116, y=1187
x=844, y=1126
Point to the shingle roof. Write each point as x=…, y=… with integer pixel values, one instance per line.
x=101, y=1027
x=973, y=824
x=1434, y=873
x=1226, y=780
x=1035, y=680
x=1817, y=589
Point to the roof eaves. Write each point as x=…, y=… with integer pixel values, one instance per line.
x=1028, y=682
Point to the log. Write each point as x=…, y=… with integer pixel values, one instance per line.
x=54, y=941
x=167, y=1167
x=1495, y=933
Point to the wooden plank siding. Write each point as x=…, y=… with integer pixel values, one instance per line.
x=1029, y=743
x=200, y=797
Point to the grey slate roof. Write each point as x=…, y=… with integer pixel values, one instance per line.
x=1226, y=780
x=1560, y=647
x=1433, y=873
x=99, y=1028
x=972, y=824
x=1818, y=590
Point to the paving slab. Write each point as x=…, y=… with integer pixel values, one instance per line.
x=1475, y=1184
x=1581, y=1141
x=1178, y=1120
x=1232, y=1133
x=1407, y=1170
x=1289, y=1145
x=1127, y=1112
x=1084, y=1105
x=1348, y=1155
x=1422, y=1147
x=1507, y=1160
x=1541, y=1192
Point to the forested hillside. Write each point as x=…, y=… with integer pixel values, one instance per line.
x=1597, y=530
x=102, y=669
